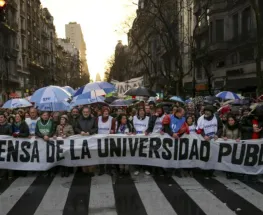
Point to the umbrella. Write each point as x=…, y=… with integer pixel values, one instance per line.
x=17, y=103
x=176, y=99
x=110, y=99
x=69, y=89
x=121, y=103
x=53, y=106
x=227, y=95
x=50, y=94
x=86, y=99
x=98, y=89
x=140, y=91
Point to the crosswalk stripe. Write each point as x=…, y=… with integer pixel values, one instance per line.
x=78, y=197
x=102, y=199
x=243, y=190
x=232, y=199
x=206, y=201
x=4, y=184
x=54, y=201
x=32, y=196
x=177, y=197
x=258, y=186
x=9, y=198
x=153, y=199
x=128, y=201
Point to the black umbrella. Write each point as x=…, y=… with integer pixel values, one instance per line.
x=140, y=91
x=111, y=99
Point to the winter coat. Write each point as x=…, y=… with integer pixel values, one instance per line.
x=6, y=129
x=231, y=133
x=66, y=131
x=52, y=130
x=23, y=129
x=247, y=128
x=88, y=124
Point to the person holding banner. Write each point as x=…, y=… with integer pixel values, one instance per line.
x=124, y=126
x=156, y=121
x=86, y=126
x=5, y=129
x=231, y=131
x=19, y=127
x=210, y=127
x=64, y=130
x=106, y=125
x=140, y=122
x=32, y=121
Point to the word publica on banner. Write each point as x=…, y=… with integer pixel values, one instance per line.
x=249, y=153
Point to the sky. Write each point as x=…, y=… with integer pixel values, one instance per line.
x=99, y=20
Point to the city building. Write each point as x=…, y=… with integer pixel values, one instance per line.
x=68, y=63
x=8, y=49
x=226, y=46
x=98, y=78
x=74, y=33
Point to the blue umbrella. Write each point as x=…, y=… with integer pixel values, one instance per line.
x=69, y=89
x=51, y=94
x=98, y=89
x=17, y=103
x=54, y=106
x=227, y=95
x=86, y=99
x=121, y=103
x=176, y=99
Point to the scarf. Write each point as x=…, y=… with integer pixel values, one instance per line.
x=61, y=130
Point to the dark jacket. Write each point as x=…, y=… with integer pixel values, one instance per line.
x=6, y=129
x=87, y=125
x=73, y=121
x=23, y=129
x=151, y=124
x=247, y=128
x=52, y=131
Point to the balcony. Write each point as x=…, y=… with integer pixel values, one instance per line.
x=217, y=47
x=244, y=38
x=44, y=34
x=218, y=6
x=13, y=4
x=24, y=51
x=201, y=30
x=23, y=13
x=45, y=50
x=23, y=32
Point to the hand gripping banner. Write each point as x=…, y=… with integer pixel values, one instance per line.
x=190, y=151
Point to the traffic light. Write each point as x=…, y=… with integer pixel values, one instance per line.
x=2, y=10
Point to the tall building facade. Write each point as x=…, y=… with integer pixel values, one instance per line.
x=29, y=50
x=74, y=33
x=226, y=36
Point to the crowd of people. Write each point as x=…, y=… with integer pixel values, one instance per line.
x=144, y=118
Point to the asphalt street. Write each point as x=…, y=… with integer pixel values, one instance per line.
x=140, y=195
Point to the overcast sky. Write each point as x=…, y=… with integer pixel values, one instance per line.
x=99, y=19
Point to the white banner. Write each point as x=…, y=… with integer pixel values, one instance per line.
x=191, y=151
x=122, y=87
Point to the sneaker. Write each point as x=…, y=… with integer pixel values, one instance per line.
x=136, y=173
x=147, y=172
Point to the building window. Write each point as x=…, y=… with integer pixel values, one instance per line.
x=235, y=26
x=246, y=55
x=199, y=73
x=246, y=21
x=234, y=59
x=220, y=30
x=211, y=32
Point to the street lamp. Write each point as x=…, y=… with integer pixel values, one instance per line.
x=2, y=3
